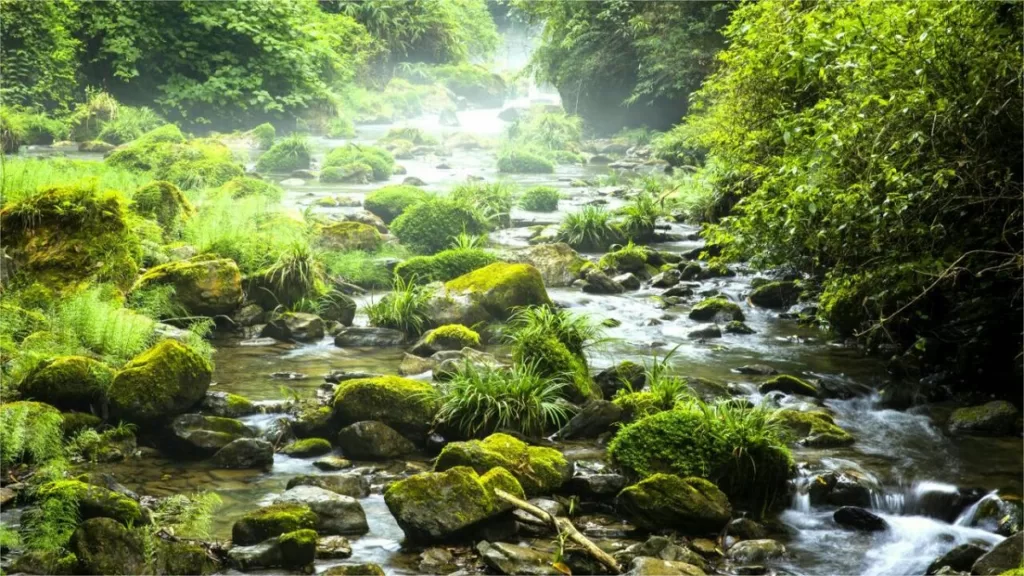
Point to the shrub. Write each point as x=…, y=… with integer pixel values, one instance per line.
x=378, y=159
x=590, y=229
x=478, y=401
x=428, y=227
x=493, y=200
x=443, y=266
x=30, y=431
x=523, y=162
x=128, y=124
x=628, y=258
x=641, y=214
x=390, y=201
x=738, y=448
x=264, y=135
x=295, y=275
x=404, y=309
x=287, y=154
x=539, y=199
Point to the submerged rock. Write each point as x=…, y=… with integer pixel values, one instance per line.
x=367, y=337
x=961, y=559
x=788, y=385
x=859, y=519
x=1002, y=557
x=372, y=440
x=996, y=418
x=711, y=309
x=539, y=470
x=691, y=505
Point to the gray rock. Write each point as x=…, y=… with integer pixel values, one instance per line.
x=245, y=453
x=512, y=559
x=629, y=281
x=960, y=558
x=249, y=315
x=705, y=333
x=352, y=485
x=667, y=279
x=294, y=327
x=756, y=370
x=412, y=364
x=756, y=551
x=336, y=514
x=227, y=405
x=266, y=554
x=371, y=440
x=597, y=486
x=662, y=548
x=413, y=181
x=645, y=566
x=370, y=219
x=679, y=291
x=198, y=436
x=859, y=519
x=841, y=488
x=596, y=418
x=737, y=327
x=623, y=374
x=597, y=282
x=367, y=337
x=746, y=529
x=556, y=262
x=1002, y=557
x=333, y=548
x=437, y=561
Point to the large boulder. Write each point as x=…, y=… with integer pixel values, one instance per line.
x=203, y=287
x=272, y=521
x=95, y=501
x=245, y=453
x=775, y=295
x=691, y=505
x=165, y=380
x=437, y=506
x=716, y=308
x=294, y=327
x=198, y=436
x=498, y=289
x=961, y=558
x=1003, y=557
x=559, y=265
x=68, y=382
x=402, y=404
x=538, y=470
x=105, y=546
x=372, y=440
x=348, y=236
x=995, y=418
x=336, y=514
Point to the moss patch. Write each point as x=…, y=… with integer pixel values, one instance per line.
x=163, y=202
x=379, y=160
x=94, y=501
x=403, y=404
x=453, y=337
x=298, y=548
x=272, y=521
x=691, y=505
x=246, y=187
x=348, y=236
x=711, y=308
x=69, y=382
x=538, y=470
x=430, y=226
x=789, y=385
x=204, y=287
x=307, y=447
x=390, y=201
x=160, y=383
x=501, y=288
x=443, y=266
x=816, y=429
x=522, y=162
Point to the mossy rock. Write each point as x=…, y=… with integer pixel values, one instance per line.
x=75, y=422
x=45, y=562
x=686, y=442
x=248, y=187
x=104, y=546
x=403, y=404
x=69, y=382
x=553, y=359
x=775, y=295
x=191, y=165
x=379, y=160
x=95, y=501
x=558, y=263
x=164, y=381
x=789, y=385
x=539, y=470
x=63, y=237
x=539, y=199
x=184, y=557
x=430, y=226
x=264, y=135
x=348, y=236
x=500, y=288
x=637, y=405
x=298, y=549
x=351, y=173
x=624, y=260
x=272, y=521
x=522, y=162
x=995, y=418
x=713, y=308
x=452, y=337
x=816, y=429
x=164, y=203
x=443, y=266
x=204, y=287
x=201, y=436
x=284, y=156
x=440, y=506
x=390, y=201
x=693, y=506
x=415, y=136
x=307, y=447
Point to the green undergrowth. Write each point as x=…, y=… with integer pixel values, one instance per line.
x=23, y=178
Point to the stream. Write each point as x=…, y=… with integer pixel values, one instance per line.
x=906, y=454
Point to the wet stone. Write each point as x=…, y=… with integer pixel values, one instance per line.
x=333, y=547
x=332, y=463
x=597, y=486
x=859, y=519
x=437, y=561
x=960, y=559
x=352, y=484
x=756, y=551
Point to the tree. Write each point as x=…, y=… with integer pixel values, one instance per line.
x=38, y=53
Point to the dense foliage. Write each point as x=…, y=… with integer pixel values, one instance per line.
x=39, y=53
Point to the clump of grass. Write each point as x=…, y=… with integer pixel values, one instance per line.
x=364, y=269
x=577, y=332
x=477, y=401
x=128, y=124
x=590, y=229
x=539, y=199
x=296, y=272
x=405, y=308
x=187, y=516
x=23, y=178
x=641, y=214
x=287, y=154
x=264, y=135
x=492, y=200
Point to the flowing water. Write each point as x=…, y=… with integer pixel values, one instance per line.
x=905, y=453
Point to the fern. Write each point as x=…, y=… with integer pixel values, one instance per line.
x=187, y=516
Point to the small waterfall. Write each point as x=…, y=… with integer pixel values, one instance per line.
x=966, y=518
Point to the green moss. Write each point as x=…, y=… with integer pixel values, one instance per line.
x=289, y=154
x=184, y=557
x=539, y=199
x=816, y=429
x=70, y=382
x=195, y=164
x=443, y=266
x=403, y=404
x=690, y=505
x=75, y=422
x=430, y=226
x=502, y=287
x=382, y=163
x=629, y=258
x=163, y=202
x=522, y=162
x=552, y=359
x=390, y=202
x=788, y=385
x=264, y=135
x=637, y=405
x=710, y=308
x=61, y=237
x=203, y=286
x=45, y=562
x=298, y=548
x=94, y=501
x=246, y=186
x=307, y=447
x=238, y=405
x=341, y=128
x=271, y=521
x=347, y=236
x=538, y=470
x=163, y=381
x=692, y=442
x=454, y=336
x=352, y=173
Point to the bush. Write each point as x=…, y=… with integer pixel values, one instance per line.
x=364, y=269
x=376, y=158
x=738, y=448
x=590, y=229
x=390, y=201
x=524, y=162
x=428, y=227
x=128, y=124
x=286, y=155
x=89, y=117
x=404, y=309
x=548, y=131
x=264, y=135
x=443, y=266
x=539, y=199
x=341, y=127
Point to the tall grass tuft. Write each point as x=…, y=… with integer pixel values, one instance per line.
x=404, y=309
x=23, y=178
x=577, y=332
x=102, y=325
x=589, y=229
x=187, y=516
x=480, y=400
x=641, y=214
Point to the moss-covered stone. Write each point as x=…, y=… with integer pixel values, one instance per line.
x=627, y=259
x=263, y=135
x=247, y=186
x=443, y=266
x=160, y=383
x=712, y=308
x=64, y=236
x=94, y=501
x=501, y=288
x=69, y=382
x=45, y=562
x=204, y=287
x=298, y=549
x=368, y=569
x=991, y=419
x=104, y=546
x=775, y=294
x=523, y=162
x=163, y=202
x=307, y=447
x=347, y=236
x=184, y=557
x=637, y=405
x=75, y=422
x=284, y=156
x=271, y=521
x=553, y=359
x=435, y=506
x=789, y=385
x=199, y=163
x=428, y=227
x=351, y=173
x=693, y=506
x=538, y=470
x=453, y=337
x=816, y=429
x=403, y=404
x=378, y=159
